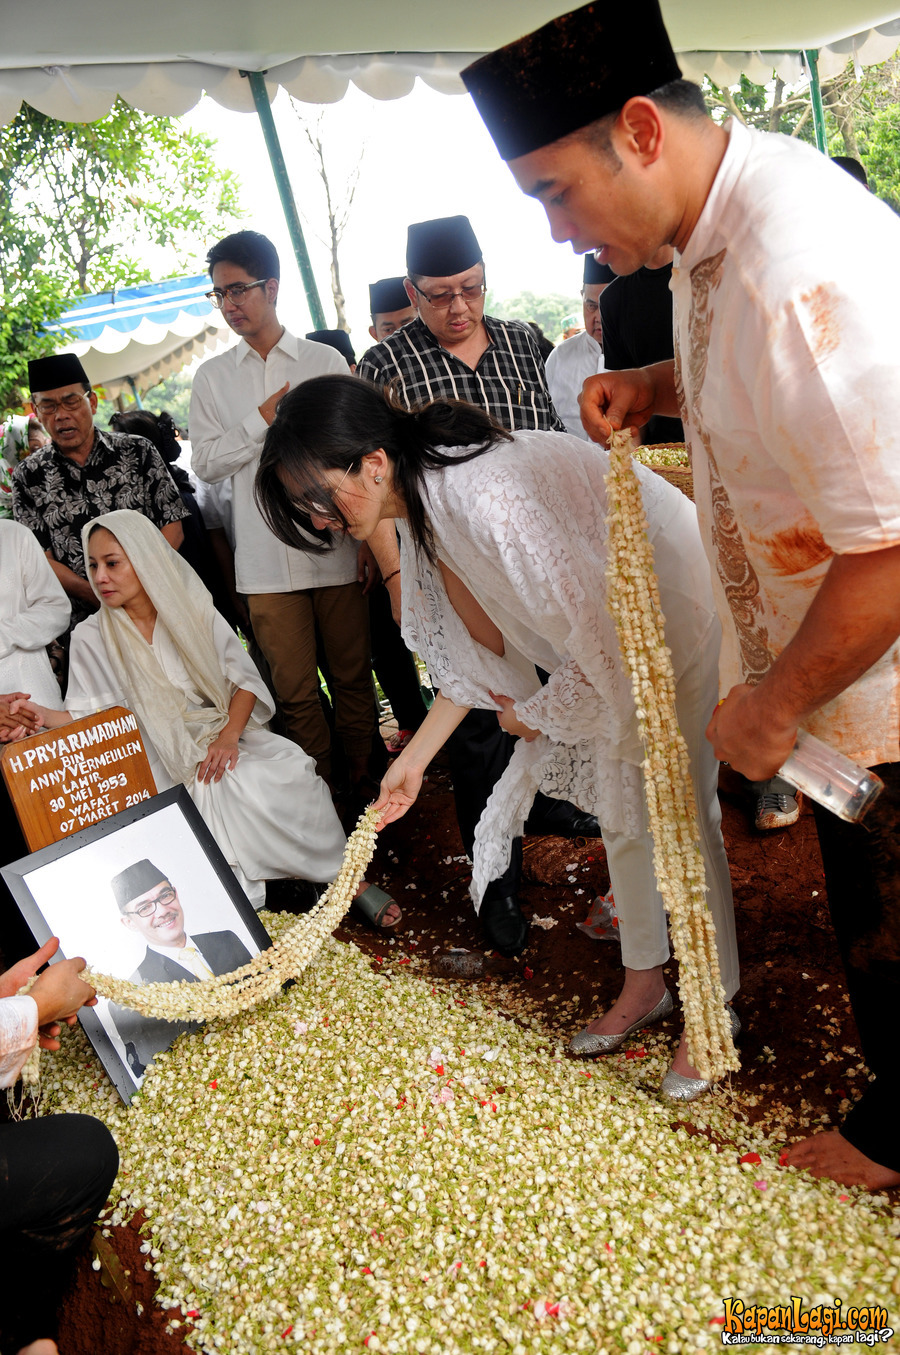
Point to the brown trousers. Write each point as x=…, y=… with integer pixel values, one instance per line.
x=285, y=626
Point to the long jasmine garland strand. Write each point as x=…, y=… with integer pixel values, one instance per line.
x=633, y=593
x=227, y=994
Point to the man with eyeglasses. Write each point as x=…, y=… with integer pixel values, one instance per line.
x=289, y=593
x=85, y=472
x=573, y=361
x=454, y=351
x=150, y=908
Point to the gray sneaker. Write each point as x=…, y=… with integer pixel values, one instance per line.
x=777, y=811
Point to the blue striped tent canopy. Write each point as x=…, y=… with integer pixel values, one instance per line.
x=142, y=334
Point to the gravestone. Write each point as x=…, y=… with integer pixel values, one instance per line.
x=80, y=774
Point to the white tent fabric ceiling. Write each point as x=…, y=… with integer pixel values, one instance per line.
x=71, y=61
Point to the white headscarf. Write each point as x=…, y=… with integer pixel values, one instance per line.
x=180, y=734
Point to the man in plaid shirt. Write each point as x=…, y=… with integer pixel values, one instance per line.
x=453, y=350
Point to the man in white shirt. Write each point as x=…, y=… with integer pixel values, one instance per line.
x=574, y=360
x=289, y=593
x=786, y=371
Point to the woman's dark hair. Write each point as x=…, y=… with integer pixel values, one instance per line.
x=156, y=428
x=330, y=423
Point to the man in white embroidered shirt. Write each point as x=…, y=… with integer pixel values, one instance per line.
x=289, y=593
x=786, y=370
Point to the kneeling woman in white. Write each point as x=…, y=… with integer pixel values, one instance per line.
x=159, y=647
x=503, y=568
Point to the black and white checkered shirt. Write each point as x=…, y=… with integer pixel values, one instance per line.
x=508, y=380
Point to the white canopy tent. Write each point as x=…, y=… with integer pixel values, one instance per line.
x=71, y=61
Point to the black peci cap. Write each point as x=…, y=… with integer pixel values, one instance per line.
x=387, y=295
x=136, y=880
x=574, y=70
x=441, y=248
x=60, y=369
x=335, y=338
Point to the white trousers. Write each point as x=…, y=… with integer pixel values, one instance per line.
x=639, y=904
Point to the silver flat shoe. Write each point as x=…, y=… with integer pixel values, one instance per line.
x=675, y=1087
x=588, y=1045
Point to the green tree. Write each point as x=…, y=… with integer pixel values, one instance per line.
x=173, y=395
x=83, y=202
x=546, y=311
x=26, y=303
x=862, y=117
x=91, y=196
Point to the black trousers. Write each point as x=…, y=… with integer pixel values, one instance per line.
x=55, y=1176
x=862, y=876
x=394, y=665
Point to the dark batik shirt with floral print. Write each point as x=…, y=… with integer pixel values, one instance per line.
x=55, y=497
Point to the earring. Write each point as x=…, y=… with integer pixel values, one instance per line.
x=378, y=479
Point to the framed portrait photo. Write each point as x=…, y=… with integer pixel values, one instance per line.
x=146, y=896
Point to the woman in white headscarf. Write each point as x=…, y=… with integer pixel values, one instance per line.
x=159, y=647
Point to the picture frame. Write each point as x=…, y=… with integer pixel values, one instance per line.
x=98, y=892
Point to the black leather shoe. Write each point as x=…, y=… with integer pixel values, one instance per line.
x=573, y=824
x=505, y=925
x=584, y=825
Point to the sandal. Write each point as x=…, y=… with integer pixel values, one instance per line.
x=372, y=904
x=397, y=742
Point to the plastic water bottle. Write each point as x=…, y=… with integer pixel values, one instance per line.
x=831, y=779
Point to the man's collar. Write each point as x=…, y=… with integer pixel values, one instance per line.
x=172, y=951
x=287, y=343
x=491, y=327
x=61, y=456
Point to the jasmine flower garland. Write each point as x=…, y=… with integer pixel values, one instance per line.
x=227, y=994
x=633, y=594
x=374, y=1162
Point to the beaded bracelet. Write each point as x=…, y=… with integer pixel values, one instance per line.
x=387, y=578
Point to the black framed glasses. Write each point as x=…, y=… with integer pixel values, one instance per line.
x=47, y=408
x=442, y=300
x=149, y=906
x=235, y=293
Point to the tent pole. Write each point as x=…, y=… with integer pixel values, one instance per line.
x=136, y=393
x=285, y=192
x=815, y=94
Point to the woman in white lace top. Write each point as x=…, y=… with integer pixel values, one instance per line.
x=503, y=555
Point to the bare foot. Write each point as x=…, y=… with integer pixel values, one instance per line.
x=43, y=1346
x=641, y=991
x=831, y=1155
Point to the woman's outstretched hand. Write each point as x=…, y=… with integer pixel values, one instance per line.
x=399, y=788
x=221, y=757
